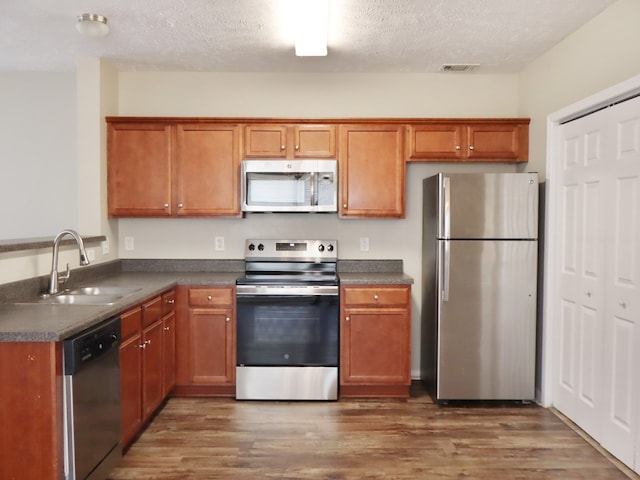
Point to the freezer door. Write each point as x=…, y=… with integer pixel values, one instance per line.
x=486, y=320
x=494, y=205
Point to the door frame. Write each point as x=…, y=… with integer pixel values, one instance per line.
x=608, y=96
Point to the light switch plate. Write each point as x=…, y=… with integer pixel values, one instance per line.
x=105, y=247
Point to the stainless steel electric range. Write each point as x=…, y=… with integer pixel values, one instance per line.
x=288, y=321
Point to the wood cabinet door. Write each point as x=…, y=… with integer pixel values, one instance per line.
x=207, y=170
x=437, y=142
x=139, y=169
x=265, y=141
x=130, y=387
x=211, y=346
x=497, y=142
x=372, y=171
x=314, y=141
x=374, y=347
x=168, y=353
x=152, y=376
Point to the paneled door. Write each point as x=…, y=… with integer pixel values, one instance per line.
x=622, y=322
x=581, y=270
x=598, y=312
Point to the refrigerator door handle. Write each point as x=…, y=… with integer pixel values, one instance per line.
x=446, y=255
x=446, y=189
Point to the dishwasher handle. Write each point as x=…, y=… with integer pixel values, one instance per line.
x=91, y=344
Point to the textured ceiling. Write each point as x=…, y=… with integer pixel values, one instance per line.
x=255, y=36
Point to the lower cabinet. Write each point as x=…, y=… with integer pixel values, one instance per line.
x=147, y=359
x=375, y=341
x=206, y=342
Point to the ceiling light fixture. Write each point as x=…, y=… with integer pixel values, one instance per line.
x=92, y=25
x=311, y=18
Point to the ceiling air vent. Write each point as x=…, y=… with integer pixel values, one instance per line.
x=459, y=67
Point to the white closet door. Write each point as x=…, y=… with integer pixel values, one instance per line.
x=622, y=324
x=583, y=219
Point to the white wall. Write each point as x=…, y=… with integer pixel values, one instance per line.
x=38, y=179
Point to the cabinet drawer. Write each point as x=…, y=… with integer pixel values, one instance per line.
x=151, y=311
x=168, y=302
x=375, y=296
x=210, y=296
x=131, y=322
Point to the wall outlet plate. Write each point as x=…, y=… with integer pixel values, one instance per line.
x=105, y=247
x=364, y=244
x=128, y=243
x=219, y=244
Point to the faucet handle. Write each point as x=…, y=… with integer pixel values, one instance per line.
x=65, y=276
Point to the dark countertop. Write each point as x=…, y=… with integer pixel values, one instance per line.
x=29, y=321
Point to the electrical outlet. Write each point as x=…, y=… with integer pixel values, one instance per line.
x=91, y=254
x=219, y=244
x=128, y=243
x=364, y=244
x=105, y=247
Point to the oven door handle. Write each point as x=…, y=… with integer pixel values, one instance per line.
x=279, y=299
x=243, y=291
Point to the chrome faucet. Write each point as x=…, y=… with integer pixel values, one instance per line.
x=55, y=279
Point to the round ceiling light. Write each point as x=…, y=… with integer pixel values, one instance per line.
x=92, y=25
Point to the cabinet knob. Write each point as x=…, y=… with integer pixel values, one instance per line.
x=171, y=301
x=297, y=147
x=587, y=293
x=209, y=297
x=142, y=345
x=344, y=205
x=166, y=329
x=282, y=147
x=180, y=205
x=228, y=319
x=376, y=297
x=347, y=319
x=471, y=147
x=166, y=205
x=622, y=303
x=147, y=342
x=458, y=147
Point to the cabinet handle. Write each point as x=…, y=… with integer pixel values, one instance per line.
x=180, y=205
x=282, y=147
x=376, y=297
x=347, y=319
x=209, y=298
x=228, y=319
x=166, y=329
x=457, y=147
x=471, y=147
x=166, y=205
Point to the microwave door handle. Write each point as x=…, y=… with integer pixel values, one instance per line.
x=314, y=194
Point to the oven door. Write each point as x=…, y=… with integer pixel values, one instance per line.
x=287, y=347
x=287, y=330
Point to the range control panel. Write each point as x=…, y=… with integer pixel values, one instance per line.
x=291, y=250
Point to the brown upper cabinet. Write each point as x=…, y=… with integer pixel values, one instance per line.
x=289, y=141
x=490, y=140
x=169, y=169
x=372, y=171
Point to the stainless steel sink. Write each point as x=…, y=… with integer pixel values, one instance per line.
x=89, y=295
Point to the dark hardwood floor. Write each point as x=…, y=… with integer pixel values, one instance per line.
x=211, y=438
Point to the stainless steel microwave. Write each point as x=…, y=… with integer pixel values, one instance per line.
x=289, y=185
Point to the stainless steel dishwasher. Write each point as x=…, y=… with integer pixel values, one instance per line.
x=92, y=402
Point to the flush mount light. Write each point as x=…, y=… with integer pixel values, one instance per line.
x=311, y=18
x=92, y=25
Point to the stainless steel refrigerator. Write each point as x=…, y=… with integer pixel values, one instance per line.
x=479, y=276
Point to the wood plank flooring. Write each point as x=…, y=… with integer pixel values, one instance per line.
x=209, y=438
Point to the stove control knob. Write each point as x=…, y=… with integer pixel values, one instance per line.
x=321, y=247
x=330, y=248
x=252, y=247
x=260, y=247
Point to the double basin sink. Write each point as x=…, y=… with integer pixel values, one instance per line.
x=98, y=295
